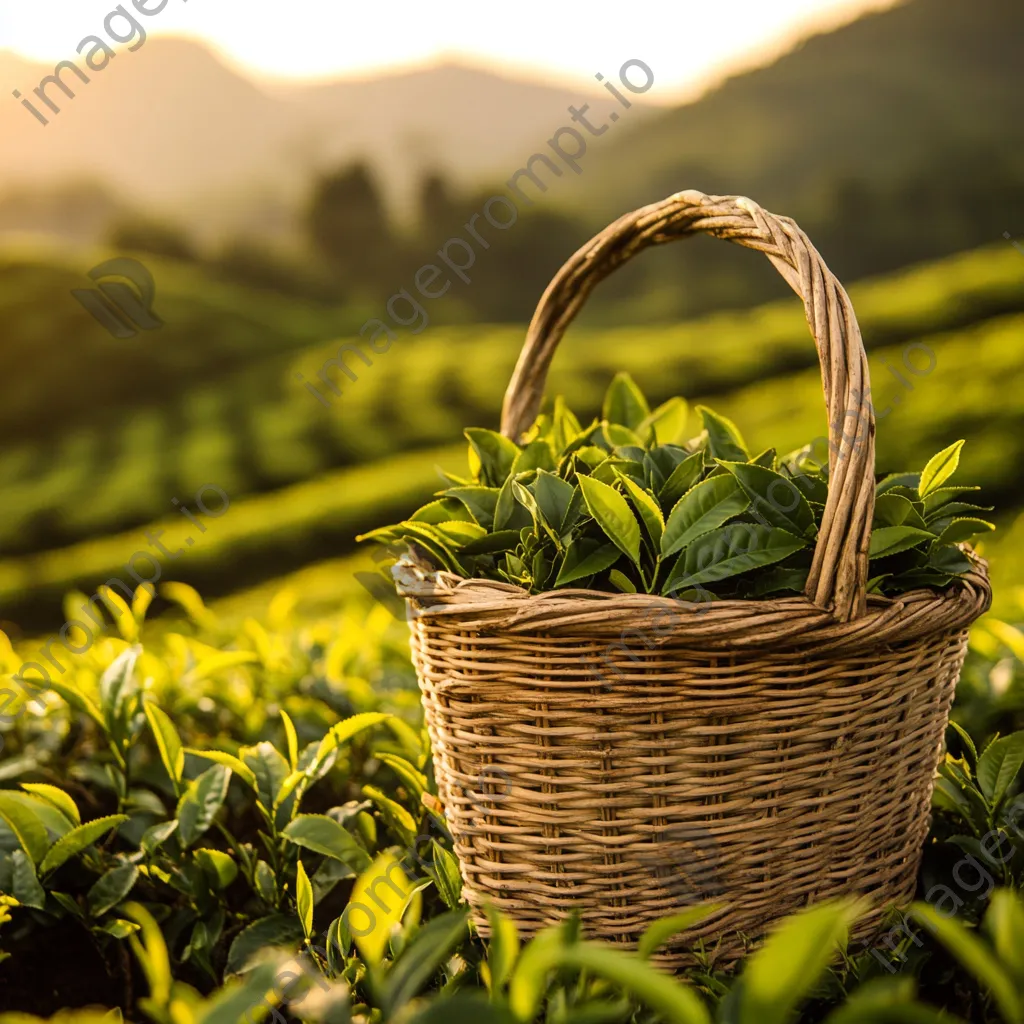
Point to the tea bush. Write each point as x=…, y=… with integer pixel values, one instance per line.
x=198, y=815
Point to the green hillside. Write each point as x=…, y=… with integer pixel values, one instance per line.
x=404, y=416
x=896, y=138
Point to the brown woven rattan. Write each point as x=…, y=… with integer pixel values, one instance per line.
x=628, y=755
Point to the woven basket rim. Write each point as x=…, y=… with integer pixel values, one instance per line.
x=493, y=606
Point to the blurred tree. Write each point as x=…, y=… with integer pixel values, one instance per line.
x=350, y=227
x=437, y=209
x=139, y=234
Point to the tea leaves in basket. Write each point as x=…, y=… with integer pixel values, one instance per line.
x=626, y=504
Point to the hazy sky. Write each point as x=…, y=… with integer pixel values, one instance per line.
x=684, y=42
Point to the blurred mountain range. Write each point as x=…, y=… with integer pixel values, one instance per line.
x=172, y=123
x=896, y=138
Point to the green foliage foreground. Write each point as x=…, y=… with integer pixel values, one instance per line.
x=207, y=824
x=625, y=503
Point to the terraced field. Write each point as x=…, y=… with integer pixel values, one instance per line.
x=304, y=479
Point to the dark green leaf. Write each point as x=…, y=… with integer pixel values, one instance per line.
x=23, y=819
x=729, y=551
x=494, y=455
x=420, y=961
x=961, y=530
x=774, y=498
x=480, y=502
x=908, y=481
x=942, y=495
x=702, y=509
x=890, y=540
x=586, y=557
x=268, y=932
x=536, y=455
x=553, y=496
x=26, y=888
x=681, y=479
x=648, y=509
x=111, y=889
x=999, y=766
x=200, y=803
x=446, y=868
x=324, y=835
x=724, y=438
x=895, y=510
x=444, y=510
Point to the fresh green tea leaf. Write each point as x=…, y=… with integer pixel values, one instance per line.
x=168, y=743
x=785, y=970
x=78, y=839
x=681, y=479
x=275, y=930
x=554, y=496
x=200, y=803
x=444, y=510
x=56, y=798
x=624, y=403
x=724, y=438
x=612, y=514
x=895, y=510
x=321, y=834
x=26, y=888
x=621, y=582
x=446, y=870
x=729, y=551
x=304, y=899
x=890, y=540
x=649, y=510
x=774, y=498
x=964, y=529
x=999, y=766
x=479, y=502
x=702, y=509
x=586, y=557
x=939, y=469
x=668, y=422
x=110, y=889
x=493, y=455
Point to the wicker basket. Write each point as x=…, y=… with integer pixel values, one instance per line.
x=627, y=755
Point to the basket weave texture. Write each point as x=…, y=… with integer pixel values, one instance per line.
x=629, y=755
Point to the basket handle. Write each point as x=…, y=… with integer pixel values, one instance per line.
x=839, y=571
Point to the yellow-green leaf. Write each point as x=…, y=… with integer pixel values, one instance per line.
x=612, y=514
x=25, y=823
x=304, y=899
x=168, y=744
x=649, y=509
x=370, y=916
x=240, y=768
x=292, y=738
x=55, y=797
x=939, y=469
x=79, y=839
